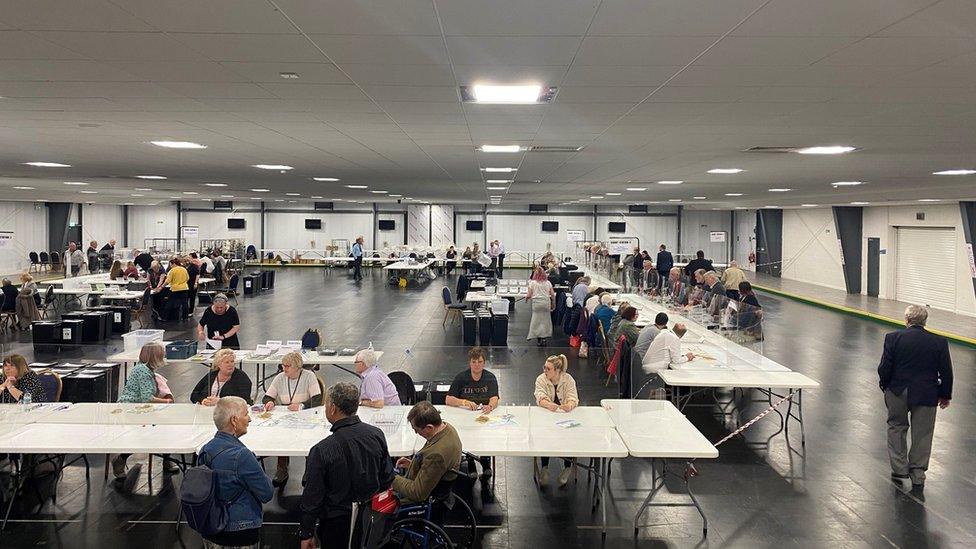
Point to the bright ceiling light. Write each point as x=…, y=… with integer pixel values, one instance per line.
x=809, y=205
x=136, y=194
x=500, y=148
x=859, y=203
x=256, y=198
x=492, y=93
x=498, y=181
x=47, y=165
x=780, y=190
x=293, y=194
x=24, y=188
x=279, y=199
x=260, y=190
x=496, y=188
x=613, y=194
x=636, y=189
x=379, y=192
x=725, y=170
x=76, y=183
x=178, y=144
x=928, y=199
x=215, y=184
x=699, y=197
x=832, y=149
x=733, y=194
x=770, y=206
x=142, y=189
x=190, y=192
x=226, y=196
x=325, y=178
x=279, y=167
x=316, y=197
x=357, y=186
x=88, y=192
x=500, y=170
x=670, y=182
x=846, y=183
x=955, y=172
x=151, y=177
x=674, y=200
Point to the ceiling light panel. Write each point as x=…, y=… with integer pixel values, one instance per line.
x=831, y=149
x=500, y=148
x=178, y=144
x=507, y=94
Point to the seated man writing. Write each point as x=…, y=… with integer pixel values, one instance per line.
x=435, y=462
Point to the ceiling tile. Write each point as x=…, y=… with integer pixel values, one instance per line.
x=363, y=17
x=944, y=18
x=253, y=47
x=76, y=15
x=803, y=18
x=772, y=50
x=906, y=51
x=514, y=50
x=309, y=73
x=123, y=46
x=641, y=50
x=26, y=45
x=516, y=17
x=670, y=17
x=413, y=50
x=410, y=75
x=223, y=16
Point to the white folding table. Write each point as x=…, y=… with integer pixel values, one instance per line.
x=413, y=270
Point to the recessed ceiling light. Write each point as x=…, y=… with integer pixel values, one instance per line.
x=392, y=195
x=216, y=184
x=955, y=172
x=498, y=181
x=495, y=196
x=496, y=188
x=357, y=186
x=178, y=144
x=76, y=183
x=289, y=75
x=859, y=203
x=24, y=188
x=256, y=198
x=190, y=192
x=151, y=177
x=293, y=194
x=597, y=197
x=846, y=183
x=226, y=196
x=670, y=182
x=699, y=197
x=733, y=194
x=379, y=192
x=279, y=167
x=88, y=192
x=279, y=199
x=499, y=170
x=135, y=194
x=928, y=199
x=47, y=165
x=316, y=197
x=260, y=190
x=780, y=190
x=809, y=205
x=613, y=194
x=128, y=203
x=142, y=189
x=175, y=197
x=725, y=170
x=674, y=200
x=832, y=149
x=325, y=178
x=740, y=207
x=500, y=148
x=492, y=93
x=636, y=188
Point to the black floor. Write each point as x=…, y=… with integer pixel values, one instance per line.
x=837, y=495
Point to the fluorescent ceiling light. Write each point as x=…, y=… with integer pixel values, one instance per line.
x=846, y=183
x=325, y=178
x=670, y=182
x=136, y=194
x=357, y=186
x=293, y=194
x=636, y=188
x=76, y=183
x=780, y=190
x=128, y=204
x=151, y=177
x=47, y=165
x=955, y=172
x=674, y=200
x=725, y=170
x=928, y=199
x=256, y=198
x=88, y=192
x=24, y=188
x=316, y=197
x=699, y=197
x=770, y=206
x=190, y=192
x=498, y=181
x=142, y=189
x=809, y=205
x=613, y=194
x=499, y=170
x=279, y=167
x=859, y=203
x=500, y=148
x=392, y=195
x=379, y=192
x=216, y=184
x=833, y=149
x=260, y=190
x=226, y=196
x=491, y=93
x=733, y=194
x=178, y=144
x=597, y=197
x=496, y=188
x=279, y=199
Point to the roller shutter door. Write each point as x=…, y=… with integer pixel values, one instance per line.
x=926, y=267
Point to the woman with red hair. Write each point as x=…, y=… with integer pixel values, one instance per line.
x=542, y=298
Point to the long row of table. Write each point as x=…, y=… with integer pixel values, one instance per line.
x=616, y=429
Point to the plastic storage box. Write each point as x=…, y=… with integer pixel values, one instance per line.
x=181, y=350
x=135, y=339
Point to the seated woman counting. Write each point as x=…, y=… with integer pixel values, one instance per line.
x=297, y=389
x=224, y=379
x=18, y=380
x=145, y=385
x=555, y=390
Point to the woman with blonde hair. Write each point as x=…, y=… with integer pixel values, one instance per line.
x=555, y=390
x=224, y=379
x=28, y=301
x=295, y=388
x=145, y=385
x=116, y=271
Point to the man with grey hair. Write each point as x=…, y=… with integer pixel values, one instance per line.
x=350, y=466
x=376, y=388
x=220, y=323
x=665, y=350
x=238, y=473
x=916, y=375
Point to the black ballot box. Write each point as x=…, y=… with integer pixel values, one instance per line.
x=484, y=328
x=469, y=327
x=499, y=330
x=46, y=335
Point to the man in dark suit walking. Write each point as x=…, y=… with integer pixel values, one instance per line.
x=663, y=265
x=916, y=375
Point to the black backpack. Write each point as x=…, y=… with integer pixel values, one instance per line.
x=204, y=512
x=311, y=339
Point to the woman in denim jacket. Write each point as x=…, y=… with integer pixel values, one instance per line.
x=241, y=481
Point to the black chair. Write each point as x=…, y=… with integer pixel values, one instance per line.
x=55, y=261
x=142, y=314
x=35, y=262
x=48, y=304
x=231, y=289
x=451, y=308
x=45, y=260
x=405, y=388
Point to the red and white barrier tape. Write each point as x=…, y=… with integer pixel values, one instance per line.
x=749, y=423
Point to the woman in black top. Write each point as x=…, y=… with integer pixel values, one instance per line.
x=17, y=379
x=224, y=379
x=220, y=322
x=451, y=254
x=750, y=311
x=10, y=293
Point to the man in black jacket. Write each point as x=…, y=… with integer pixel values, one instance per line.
x=915, y=374
x=349, y=466
x=663, y=265
x=698, y=263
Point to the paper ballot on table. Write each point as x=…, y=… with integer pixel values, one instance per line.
x=214, y=344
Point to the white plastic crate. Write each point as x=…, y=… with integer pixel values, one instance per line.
x=135, y=339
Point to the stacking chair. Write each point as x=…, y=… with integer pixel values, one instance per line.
x=35, y=262
x=55, y=261
x=45, y=261
x=451, y=308
x=405, y=388
x=231, y=289
x=142, y=313
x=48, y=303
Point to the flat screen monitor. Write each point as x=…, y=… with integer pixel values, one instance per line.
x=617, y=227
x=474, y=226
x=550, y=226
x=235, y=223
x=313, y=223
x=387, y=224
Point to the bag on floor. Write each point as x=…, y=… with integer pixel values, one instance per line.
x=574, y=341
x=311, y=339
x=204, y=512
x=584, y=350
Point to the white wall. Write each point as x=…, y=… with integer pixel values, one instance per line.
x=695, y=228
x=464, y=237
x=101, y=222
x=389, y=239
x=811, y=252
x=28, y=223
x=882, y=222
x=151, y=222
x=745, y=238
x=286, y=230
x=212, y=225
x=651, y=230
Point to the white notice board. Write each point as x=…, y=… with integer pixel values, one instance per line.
x=575, y=235
x=717, y=236
x=190, y=231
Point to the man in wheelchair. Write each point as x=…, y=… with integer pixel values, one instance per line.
x=432, y=469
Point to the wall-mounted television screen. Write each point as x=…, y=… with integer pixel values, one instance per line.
x=617, y=227
x=474, y=226
x=550, y=226
x=235, y=223
x=313, y=223
x=387, y=224
x=538, y=207
x=223, y=205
